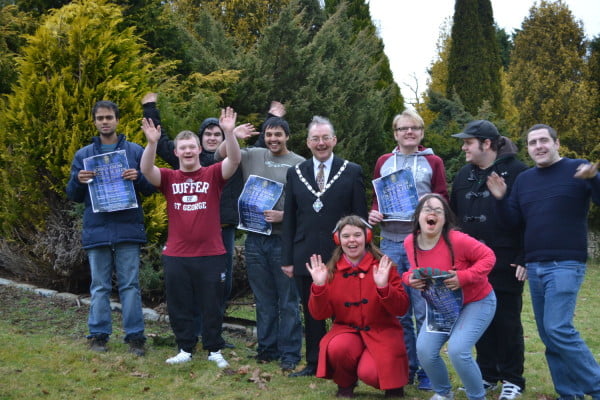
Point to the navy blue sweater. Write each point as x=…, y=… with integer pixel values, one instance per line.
x=553, y=205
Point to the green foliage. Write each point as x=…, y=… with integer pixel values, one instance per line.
x=302, y=70
x=245, y=20
x=451, y=117
x=505, y=46
x=13, y=25
x=550, y=80
x=39, y=7
x=185, y=33
x=474, y=62
x=274, y=70
x=355, y=102
x=76, y=57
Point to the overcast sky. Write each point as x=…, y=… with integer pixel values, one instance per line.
x=410, y=30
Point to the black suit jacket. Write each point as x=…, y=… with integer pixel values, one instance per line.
x=307, y=232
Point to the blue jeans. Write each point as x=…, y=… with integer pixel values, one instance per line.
x=396, y=252
x=473, y=320
x=278, y=324
x=124, y=259
x=554, y=286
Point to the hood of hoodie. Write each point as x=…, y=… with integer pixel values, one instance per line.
x=506, y=147
x=205, y=124
x=421, y=151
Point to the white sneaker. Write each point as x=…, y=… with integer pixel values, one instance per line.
x=449, y=396
x=180, y=358
x=217, y=357
x=510, y=391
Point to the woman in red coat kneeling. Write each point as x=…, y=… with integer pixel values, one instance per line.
x=360, y=289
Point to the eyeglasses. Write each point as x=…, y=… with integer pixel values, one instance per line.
x=406, y=128
x=317, y=139
x=436, y=211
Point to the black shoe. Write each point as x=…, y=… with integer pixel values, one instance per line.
x=287, y=366
x=309, y=370
x=136, y=346
x=98, y=344
x=228, y=345
x=345, y=392
x=394, y=393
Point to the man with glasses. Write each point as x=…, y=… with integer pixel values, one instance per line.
x=318, y=193
x=501, y=349
x=429, y=175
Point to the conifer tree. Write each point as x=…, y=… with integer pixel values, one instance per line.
x=343, y=84
x=550, y=80
x=14, y=24
x=474, y=63
x=76, y=57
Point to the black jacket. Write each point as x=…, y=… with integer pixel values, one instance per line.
x=307, y=232
x=474, y=207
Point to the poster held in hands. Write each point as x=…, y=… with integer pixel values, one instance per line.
x=108, y=190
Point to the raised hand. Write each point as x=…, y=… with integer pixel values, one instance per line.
x=152, y=132
x=277, y=109
x=149, y=98
x=227, y=120
x=381, y=272
x=318, y=270
x=244, y=131
x=496, y=185
x=587, y=171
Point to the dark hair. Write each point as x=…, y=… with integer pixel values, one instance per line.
x=550, y=130
x=277, y=122
x=449, y=224
x=494, y=143
x=105, y=104
x=353, y=220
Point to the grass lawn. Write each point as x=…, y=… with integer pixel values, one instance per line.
x=43, y=355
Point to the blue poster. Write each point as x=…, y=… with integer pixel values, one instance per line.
x=259, y=194
x=108, y=190
x=443, y=305
x=397, y=195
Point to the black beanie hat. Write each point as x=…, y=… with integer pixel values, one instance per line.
x=205, y=124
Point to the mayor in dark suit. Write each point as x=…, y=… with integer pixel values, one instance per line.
x=319, y=192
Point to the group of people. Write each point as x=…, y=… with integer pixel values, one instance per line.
x=501, y=224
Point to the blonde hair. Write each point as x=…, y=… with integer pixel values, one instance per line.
x=184, y=135
x=408, y=113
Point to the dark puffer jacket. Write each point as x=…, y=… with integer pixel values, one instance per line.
x=108, y=228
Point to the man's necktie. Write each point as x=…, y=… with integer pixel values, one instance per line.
x=321, y=177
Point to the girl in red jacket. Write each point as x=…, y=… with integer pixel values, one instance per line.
x=362, y=292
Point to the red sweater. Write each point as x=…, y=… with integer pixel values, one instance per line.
x=473, y=261
x=359, y=307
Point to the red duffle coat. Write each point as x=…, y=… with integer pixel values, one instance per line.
x=352, y=299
